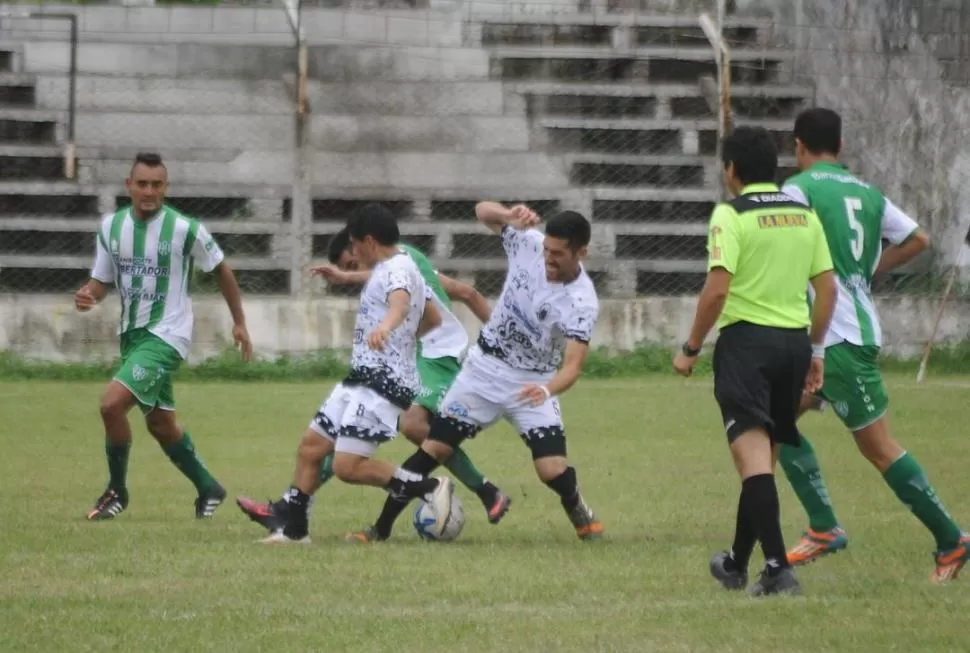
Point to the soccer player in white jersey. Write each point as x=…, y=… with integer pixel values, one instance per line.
x=529, y=352
x=362, y=412
x=147, y=251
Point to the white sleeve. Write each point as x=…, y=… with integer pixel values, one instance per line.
x=398, y=276
x=796, y=193
x=581, y=319
x=205, y=250
x=896, y=225
x=521, y=243
x=104, y=265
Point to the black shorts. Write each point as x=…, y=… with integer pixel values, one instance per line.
x=759, y=375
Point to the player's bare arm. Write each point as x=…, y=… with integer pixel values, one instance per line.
x=467, y=295
x=896, y=256
x=710, y=303
x=495, y=216
x=229, y=287
x=430, y=319
x=399, y=303
x=89, y=295
x=823, y=306
x=335, y=275
x=572, y=366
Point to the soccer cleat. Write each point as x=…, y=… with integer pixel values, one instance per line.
x=280, y=537
x=265, y=514
x=782, y=582
x=816, y=544
x=366, y=536
x=208, y=501
x=440, y=498
x=723, y=572
x=108, y=506
x=949, y=563
x=496, y=503
x=585, y=522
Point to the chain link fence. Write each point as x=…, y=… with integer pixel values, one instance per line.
x=618, y=106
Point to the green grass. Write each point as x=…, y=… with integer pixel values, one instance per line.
x=652, y=462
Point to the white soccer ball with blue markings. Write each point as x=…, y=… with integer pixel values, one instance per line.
x=439, y=528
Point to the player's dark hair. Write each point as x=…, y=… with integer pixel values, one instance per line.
x=150, y=159
x=753, y=153
x=339, y=243
x=375, y=220
x=571, y=227
x=819, y=130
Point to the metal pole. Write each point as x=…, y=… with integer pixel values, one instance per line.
x=70, y=151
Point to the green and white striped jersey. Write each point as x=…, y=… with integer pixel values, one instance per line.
x=150, y=262
x=856, y=217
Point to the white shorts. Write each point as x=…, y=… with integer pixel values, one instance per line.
x=487, y=390
x=357, y=420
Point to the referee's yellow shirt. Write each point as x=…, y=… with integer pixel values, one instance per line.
x=772, y=246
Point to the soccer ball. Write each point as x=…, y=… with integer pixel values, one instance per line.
x=439, y=528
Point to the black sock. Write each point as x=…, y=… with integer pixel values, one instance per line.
x=420, y=463
x=762, y=504
x=745, y=535
x=296, y=514
x=566, y=487
x=393, y=507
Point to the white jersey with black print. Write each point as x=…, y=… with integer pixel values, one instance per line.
x=533, y=316
x=392, y=371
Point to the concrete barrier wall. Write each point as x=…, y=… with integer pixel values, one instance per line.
x=47, y=327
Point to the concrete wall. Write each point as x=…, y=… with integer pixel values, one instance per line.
x=48, y=327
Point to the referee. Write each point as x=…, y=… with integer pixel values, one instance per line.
x=764, y=250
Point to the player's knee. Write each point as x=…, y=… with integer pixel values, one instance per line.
x=440, y=451
x=347, y=467
x=114, y=405
x=414, y=425
x=550, y=467
x=314, y=447
x=163, y=426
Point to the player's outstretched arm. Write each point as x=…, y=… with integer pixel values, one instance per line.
x=467, y=295
x=430, y=319
x=229, y=287
x=336, y=276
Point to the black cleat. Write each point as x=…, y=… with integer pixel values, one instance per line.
x=724, y=571
x=780, y=581
x=266, y=515
x=496, y=502
x=208, y=501
x=108, y=506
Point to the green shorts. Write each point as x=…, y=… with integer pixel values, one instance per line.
x=853, y=385
x=437, y=375
x=147, y=366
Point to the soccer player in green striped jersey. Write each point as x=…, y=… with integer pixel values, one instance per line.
x=856, y=218
x=148, y=252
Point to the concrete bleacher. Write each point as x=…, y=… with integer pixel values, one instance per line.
x=607, y=114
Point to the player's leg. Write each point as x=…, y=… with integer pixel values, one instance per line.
x=861, y=401
x=437, y=375
x=748, y=366
x=287, y=518
x=116, y=401
x=824, y=535
x=465, y=411
x=541, y=429
x=171, y=437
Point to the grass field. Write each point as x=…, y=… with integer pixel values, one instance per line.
x=652, y=462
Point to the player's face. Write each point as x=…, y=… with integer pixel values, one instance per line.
x=347, y=261
x=364, y=251
x=562, y=263
x=146, y=187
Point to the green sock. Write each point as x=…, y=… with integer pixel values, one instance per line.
x=182, y=454
x=326, y=469
x=117, y=455
x=801, y=468
x=909, y=482
x=461, y=466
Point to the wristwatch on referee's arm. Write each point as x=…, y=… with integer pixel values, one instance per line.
x=689, y=351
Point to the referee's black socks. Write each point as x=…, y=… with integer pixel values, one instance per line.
x=760, y=495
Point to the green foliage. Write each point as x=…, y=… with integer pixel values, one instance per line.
x=644, y=360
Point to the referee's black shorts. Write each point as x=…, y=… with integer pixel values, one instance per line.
x=759, y=375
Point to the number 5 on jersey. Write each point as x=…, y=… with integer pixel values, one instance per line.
x=853, y=205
